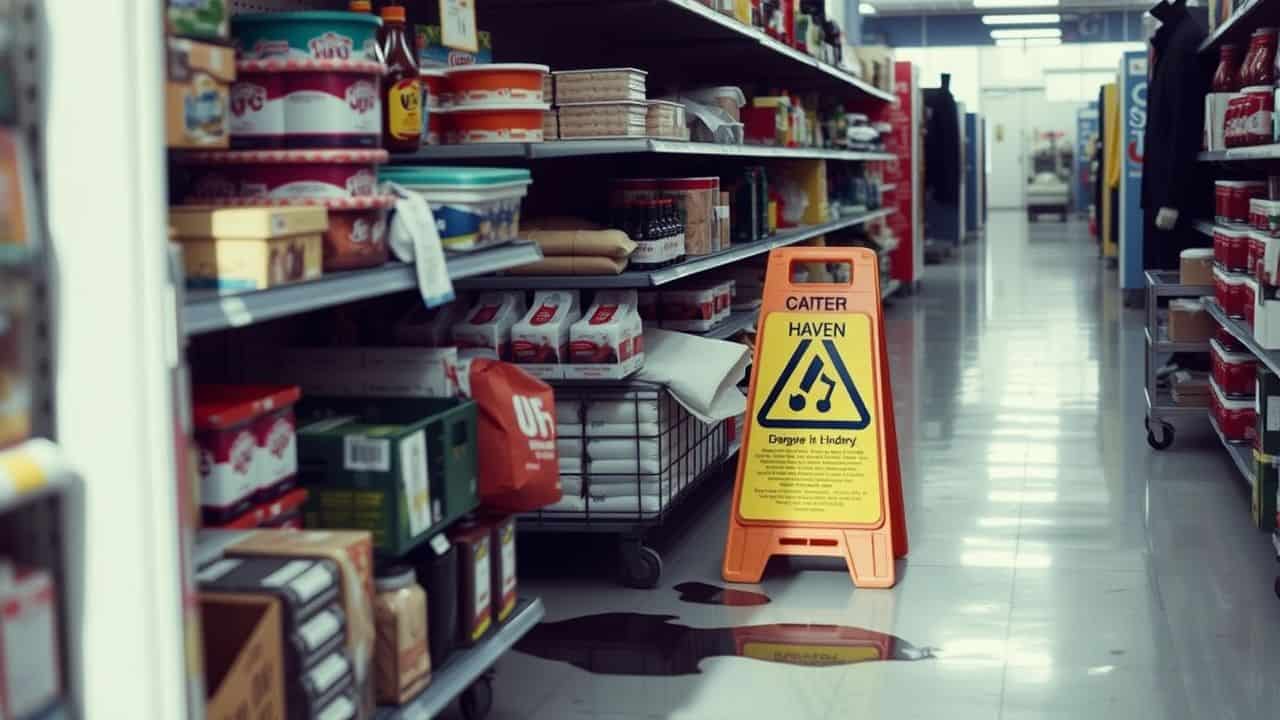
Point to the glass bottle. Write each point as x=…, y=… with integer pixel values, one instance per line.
x=401, y=85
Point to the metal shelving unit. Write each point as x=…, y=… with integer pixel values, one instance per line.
x=738, y=321
x=623, y=146
x=1241, y=332
x=466, y=669
x=1160, y=404
x=208, y=311
x=1241, y=455
x=1241, y=154
x=663, y=276
x=1251, y=14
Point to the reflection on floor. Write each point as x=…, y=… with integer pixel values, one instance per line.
x=707, y=594
x=1061, y=567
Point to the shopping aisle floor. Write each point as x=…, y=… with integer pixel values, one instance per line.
x=1060, y=568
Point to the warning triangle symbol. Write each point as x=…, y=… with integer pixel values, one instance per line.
x=814, y=392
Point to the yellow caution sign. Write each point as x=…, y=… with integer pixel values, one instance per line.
x=815, y=457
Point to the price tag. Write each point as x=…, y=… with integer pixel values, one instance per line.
x=458, y=25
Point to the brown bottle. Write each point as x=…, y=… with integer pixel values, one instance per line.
x=401, y=85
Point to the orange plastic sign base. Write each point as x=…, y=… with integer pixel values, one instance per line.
x=819, y=472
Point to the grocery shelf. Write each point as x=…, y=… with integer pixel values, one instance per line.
x=32, y=471
x=1251, y=153
x=652, y=278
x=1241, y=332
x=889, y=289
x=208, y=311
x=622, y=146
x=1212, y=155
x=466, y=666
x=1162, y=344
x=738, y=321
x=1241, y=455
x=1204, y=226
x=1250, y=16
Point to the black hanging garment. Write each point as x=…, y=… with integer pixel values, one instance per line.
x=942, y=144
x=1175, y=127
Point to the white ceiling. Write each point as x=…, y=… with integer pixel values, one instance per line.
x=898, y=7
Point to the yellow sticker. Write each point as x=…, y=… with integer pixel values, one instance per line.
x=814, y=448
x=810, y=655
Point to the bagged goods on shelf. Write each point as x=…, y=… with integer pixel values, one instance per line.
x=516, y=437
x=568, y=236
x=197, y=94
x=474, y=208
x=1189, y=321
x=1196, y=266
x=615, y=118
x=306, y=104
x=486, y=329
x=572, y=265
x=497, y=84
x=540, y=341
x=413, y=461
x=243, y=668
x=320, y=35
x=599, y=85
x=16, y=343
x=502, y=541
x=432, y=52
x=728, y=98
x=475, y=582
x=608, y=342
x=249, y=248
x=402, y=662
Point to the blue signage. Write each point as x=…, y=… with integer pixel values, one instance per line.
x=1133, y=115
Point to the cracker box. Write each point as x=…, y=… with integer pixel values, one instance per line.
x=540, y=341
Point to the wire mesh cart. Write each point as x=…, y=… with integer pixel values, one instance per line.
x=1161, y=406
x=629, y=455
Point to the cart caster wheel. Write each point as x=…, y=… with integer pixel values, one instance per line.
x=477, y=700
x=641, y=567
x=1164, y=440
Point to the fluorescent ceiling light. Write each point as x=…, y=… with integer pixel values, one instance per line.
x=1032, y=19
x=1029, y=43
x=866, y=9
x=1024, y=33
x=1014, y=3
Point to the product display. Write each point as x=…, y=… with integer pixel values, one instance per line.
x=486, y=329
x=608, y=342
x=540, y=341
x=402, y=119
x=250, y=248
x=306, y=104
x=306, y=35
x=197, y=94
x=474, y=208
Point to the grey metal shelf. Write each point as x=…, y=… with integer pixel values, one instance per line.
x=1212, y=156
x=1162, y=344
x=1240, y=154
x=1249, y=16
x=1241, y=455
x=1163, y=406
x=208, y=311
x=738, y=321
x=1241, y=332
x=465, y=666
x=653, y=278
x=623, y=146
x=1204, y=227
x=1164, y=283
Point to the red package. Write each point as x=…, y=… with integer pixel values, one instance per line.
x=519, y=466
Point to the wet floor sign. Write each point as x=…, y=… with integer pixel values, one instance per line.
x=818, y=473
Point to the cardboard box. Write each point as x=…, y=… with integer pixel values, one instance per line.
x=1189, y=321
x=540, y=341
x=433, y=54
x=243, y=663
x=197, y=94
x=1196, y=266
x=353, y=552
x=608, y=342
x=486, y=329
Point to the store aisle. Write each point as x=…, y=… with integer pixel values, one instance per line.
x=1058, y=567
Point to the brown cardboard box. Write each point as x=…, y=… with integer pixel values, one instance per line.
x=243, y=659
x=197, y=94
x=1189, y=321
x=1196, y=266
x=353, y=551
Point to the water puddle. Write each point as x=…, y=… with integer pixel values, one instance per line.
x=705, y=594
x=653, y=645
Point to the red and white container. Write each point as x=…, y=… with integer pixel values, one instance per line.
x=1229, y=291
x=1234, y=372
x=1250, y=295
x=439, y=94
x=1232, y=199
x=283, y=175
x=248, y=449
x=497, y=84
x=1228, y=341
x=1231, y=247
x=494, y=123
x=1236, y=418
x=1266, y=215
x=1257, y=246
x=306, y=104
x=1258, y=118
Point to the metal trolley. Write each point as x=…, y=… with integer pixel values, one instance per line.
x=1163, y=284
x=630, y=455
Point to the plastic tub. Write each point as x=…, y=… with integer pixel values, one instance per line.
x=1257, y=246
x=322, y=35
x=599, y=85
x=603, y=119
x=306, y=104
x=437, y=127
x=266, y=175
x=1236, y=418
x=1232, y=198
x=439, y=94
x=1231, y=247
x=1228, y=341
x=1234, y=372
x=474, y=207
x=489, y=123
x=497, y=84
x=1229, y=291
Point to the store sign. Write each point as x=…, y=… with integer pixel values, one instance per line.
x=819, y=472
x=1133, y=112
x=1088, y=128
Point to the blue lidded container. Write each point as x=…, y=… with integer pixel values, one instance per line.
x=315, y=35
x=475, y=207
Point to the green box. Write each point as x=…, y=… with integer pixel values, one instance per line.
x=359, y=459
x=199, y=19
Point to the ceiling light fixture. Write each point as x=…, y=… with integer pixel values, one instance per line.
x=1029, y=43
x=1024, y=33
x=866, y=9
x=1014, y=3
x=1032, y=19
